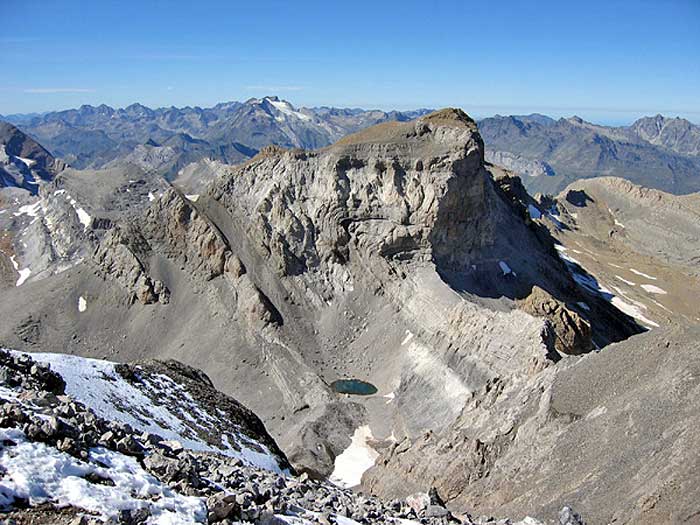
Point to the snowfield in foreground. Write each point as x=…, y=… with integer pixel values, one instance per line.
x=158, y=405
x=40, y=473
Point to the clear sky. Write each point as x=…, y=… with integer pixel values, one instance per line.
x=607, y=61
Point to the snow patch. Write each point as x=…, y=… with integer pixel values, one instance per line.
x=653, y=289
x=193, y=198
x=642, y=274
x=534, y=212
x=354, y=460
x=27, y=162
x=625, y=281
x=97, y=385
x=82, y=304
x=83, y=217
x=151, y=197
x=287, y=109
x=409, y=336
x=505, y=268
x=632, y=311
x=591, y=284
x=42, y=474
x=29, y=209
x=23, y=274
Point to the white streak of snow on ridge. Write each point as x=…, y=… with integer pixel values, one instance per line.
x=354, y=460
x=632, y=311
x=534, y=212
x=40, y=473
x=593, y=286
x=28, y=209
x=96, y=384
x=653, y=289
x=505, y=268
x=642, y=274
x=83, y=216
x=625, y=280
x=27, y=162
x=23, y=274
x=287, y=109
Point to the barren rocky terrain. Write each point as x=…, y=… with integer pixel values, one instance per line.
x=485, y=346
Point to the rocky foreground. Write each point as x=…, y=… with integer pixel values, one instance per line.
x=62, y=463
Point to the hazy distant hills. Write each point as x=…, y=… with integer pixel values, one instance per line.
x=657, y=152
x=549, y=154
x=92, y=137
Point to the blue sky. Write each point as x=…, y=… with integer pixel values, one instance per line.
x=607, y=61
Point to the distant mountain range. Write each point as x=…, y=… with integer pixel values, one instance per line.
x=657, y=152
x=549, y=154
x=169, y=138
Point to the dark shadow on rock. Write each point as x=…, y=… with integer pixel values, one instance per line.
x=578, y=198
x=507, y=264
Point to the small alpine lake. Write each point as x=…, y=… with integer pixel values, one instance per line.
x=353, y=386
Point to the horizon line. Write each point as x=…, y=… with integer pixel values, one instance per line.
x=518, y=110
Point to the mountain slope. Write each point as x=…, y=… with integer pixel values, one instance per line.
x=23, y=162
x=575, y=149
x=608, y=431
x=641, y=244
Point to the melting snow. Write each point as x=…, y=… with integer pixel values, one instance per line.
x=82, y=304
x=39, y=473
x=563, y=256
x=653, y=289
x=27, y=162
x=83, y=217
x=625, y=281
x=590, y=283
x=642, y=274
x=151, y=197
x=287, y=109
x=505, y=268
x=23, y=274
x=354, y=460
x=29, y=209
x=534, y=212
x=96, y=383
x=193, y=198
x=632, y=311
